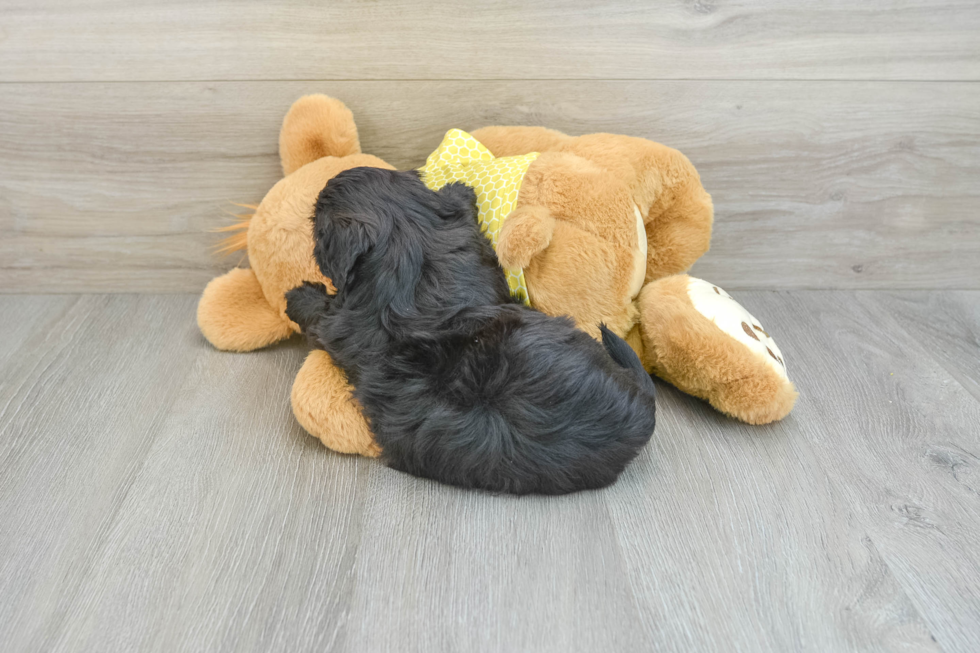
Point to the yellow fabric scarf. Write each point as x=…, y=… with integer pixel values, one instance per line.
x=497, y=182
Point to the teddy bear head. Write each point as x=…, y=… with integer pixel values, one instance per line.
x=245, y=309
x=599, y=216
x=579, y=238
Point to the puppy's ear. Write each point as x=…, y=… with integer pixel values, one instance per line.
x=458, y=202
x=340, y=241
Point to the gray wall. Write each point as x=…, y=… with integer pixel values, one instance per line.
x=841, y=143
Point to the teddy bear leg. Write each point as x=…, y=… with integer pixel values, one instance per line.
x=698, y=338
x=234, y=315
x=323, y=405
x=678, y=225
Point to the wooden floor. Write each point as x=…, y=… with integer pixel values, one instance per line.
x=157, y=495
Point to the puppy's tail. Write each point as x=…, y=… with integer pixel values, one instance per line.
x=624, y=356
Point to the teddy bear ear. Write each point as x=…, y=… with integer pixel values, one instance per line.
x=316, y=126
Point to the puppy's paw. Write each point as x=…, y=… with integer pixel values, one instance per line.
x=306, y=304
x=527, y=231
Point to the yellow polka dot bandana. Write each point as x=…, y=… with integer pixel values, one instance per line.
x=497, y=182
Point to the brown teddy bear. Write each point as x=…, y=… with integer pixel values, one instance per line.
x=599, y=227
x=685, y=330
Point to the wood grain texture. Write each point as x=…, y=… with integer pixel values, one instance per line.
x=156, y=495
x=21, y=319
x=898, y=434
x=112, y=40
x=114, y=187
x=80, y=404
x=949, y=322
x=240, y=527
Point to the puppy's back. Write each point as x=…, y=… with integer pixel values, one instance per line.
x=524, y=404
x=460, y=382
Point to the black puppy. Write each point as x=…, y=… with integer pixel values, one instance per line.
x=459, y=381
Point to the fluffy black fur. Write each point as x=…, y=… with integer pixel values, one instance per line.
x=460, y=382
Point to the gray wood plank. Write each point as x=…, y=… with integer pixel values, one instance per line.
x=717, y=538
x=239, y=533
x=55, y=40
x=897, y=433
x=947, y=325
x=21, y=318
x=79, y=406
x=211, y=522
x=444, y=570
x=737, y=540
x=114, y=187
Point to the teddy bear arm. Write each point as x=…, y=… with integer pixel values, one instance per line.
x=233, y=313
x=324, y=406
x=527, y=231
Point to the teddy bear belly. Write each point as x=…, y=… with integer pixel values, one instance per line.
x=639, y=256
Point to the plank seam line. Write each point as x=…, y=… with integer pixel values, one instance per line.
x=802, y=80
x=960, y=380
